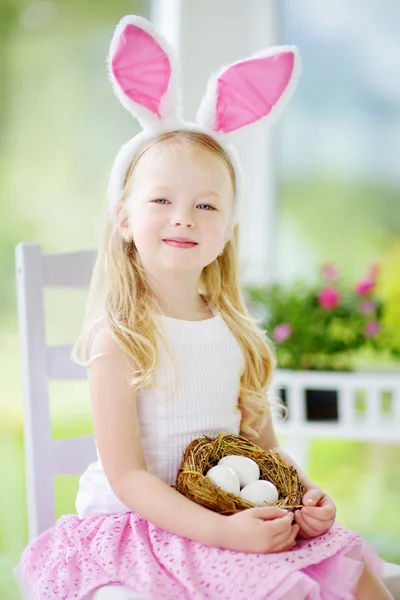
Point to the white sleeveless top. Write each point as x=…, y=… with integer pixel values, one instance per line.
x=209, y=364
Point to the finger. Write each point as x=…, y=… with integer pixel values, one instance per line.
x=316, y=524
x=287, y=537
x=312, y=497
x=305, y=529
x=281, y=525
x=269, y=512
x=285, y=543
x=323, y=513
x=328, y=504
x=322, y=527
x=301, y=519
x=285, y=547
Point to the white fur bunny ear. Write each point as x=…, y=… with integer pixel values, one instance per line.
x=143, y=69
x=249, y=90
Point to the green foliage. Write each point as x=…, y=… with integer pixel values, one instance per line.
x=319, y=326
x=389, y=289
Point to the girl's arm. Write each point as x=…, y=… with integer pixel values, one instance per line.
x=116, y=429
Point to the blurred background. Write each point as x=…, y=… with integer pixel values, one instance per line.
x=336, y=199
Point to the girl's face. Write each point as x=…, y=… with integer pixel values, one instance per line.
x=179, y=193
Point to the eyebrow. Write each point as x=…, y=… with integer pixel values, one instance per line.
x=167, y=190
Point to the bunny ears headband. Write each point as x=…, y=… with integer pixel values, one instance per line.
x=144, y=73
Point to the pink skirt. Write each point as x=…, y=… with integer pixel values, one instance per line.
x=76, y=556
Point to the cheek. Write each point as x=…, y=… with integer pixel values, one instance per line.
x=215, y=230
x=145, y=228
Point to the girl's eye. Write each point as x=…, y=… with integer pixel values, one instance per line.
x=208, y=206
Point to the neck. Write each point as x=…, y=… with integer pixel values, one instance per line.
x=178, y=294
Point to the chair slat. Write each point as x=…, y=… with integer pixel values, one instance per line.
x=61, y=366
x=37, y=431
x=44, y=457
x=72, y=456
x=70, y=270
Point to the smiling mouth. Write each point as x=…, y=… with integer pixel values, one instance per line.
x=180, y=243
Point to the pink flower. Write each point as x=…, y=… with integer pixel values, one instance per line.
x=282, y=332
x=330, y=272
x=365, y=287
x=329, y=298
x=371, y=329
x=367, y=307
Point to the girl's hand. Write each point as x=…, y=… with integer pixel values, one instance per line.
x=317, y=515
x=260, y=530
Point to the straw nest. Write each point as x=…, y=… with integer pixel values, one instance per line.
x=204, y=453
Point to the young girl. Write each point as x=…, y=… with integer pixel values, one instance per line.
x=172, y=355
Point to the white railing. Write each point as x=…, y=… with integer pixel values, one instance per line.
x=368, y=408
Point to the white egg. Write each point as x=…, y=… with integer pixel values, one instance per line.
x=260, y=493
x=225, y=478
x=246, y=469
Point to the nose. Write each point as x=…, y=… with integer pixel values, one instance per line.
x=183, y=219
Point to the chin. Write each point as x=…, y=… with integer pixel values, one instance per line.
x=182, y=264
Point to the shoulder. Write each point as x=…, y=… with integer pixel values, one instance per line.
x=110, y=370
x=102, y=345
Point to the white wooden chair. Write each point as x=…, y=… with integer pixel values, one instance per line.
x=45, y=457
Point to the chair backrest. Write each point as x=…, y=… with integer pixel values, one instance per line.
x=45, y=457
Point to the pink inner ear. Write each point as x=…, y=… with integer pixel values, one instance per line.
x=141, y=68
x=249, y=90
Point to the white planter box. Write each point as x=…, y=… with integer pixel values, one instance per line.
x=378, y=421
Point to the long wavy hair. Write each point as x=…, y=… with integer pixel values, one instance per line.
x=123, y=296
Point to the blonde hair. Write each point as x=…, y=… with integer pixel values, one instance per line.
x=130, y=303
